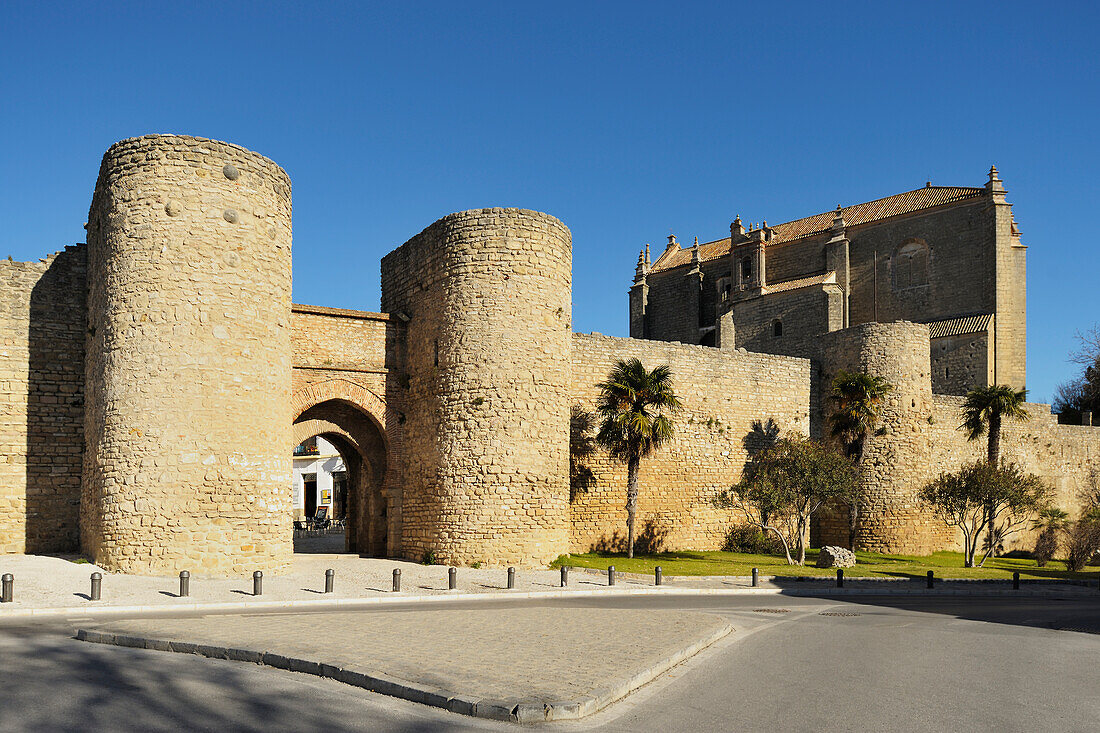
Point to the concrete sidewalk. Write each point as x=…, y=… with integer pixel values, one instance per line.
x=50, y=586
x=524, y=664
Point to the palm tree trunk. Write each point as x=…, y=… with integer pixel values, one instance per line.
x=853, y=508
x=631, y=502
x=993, y=455
x=994, y=448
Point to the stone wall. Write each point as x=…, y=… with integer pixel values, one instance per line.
x=42, y=324
x=487, y=295
x=188, y=367
x=723, y=393
x=670, y=315
x=1068, y=456
x=804, y=314
x=961, y=276
x=961, y=363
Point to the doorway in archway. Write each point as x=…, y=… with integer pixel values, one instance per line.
x=342, y=451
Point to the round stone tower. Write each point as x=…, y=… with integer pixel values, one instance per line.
x=486, y=439
x=896, y=457
x=188, y=360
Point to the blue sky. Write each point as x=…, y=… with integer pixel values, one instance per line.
x=626, y=121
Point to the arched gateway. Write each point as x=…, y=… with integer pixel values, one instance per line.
x=352, y=419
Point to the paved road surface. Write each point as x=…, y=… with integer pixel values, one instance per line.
x=899, y=665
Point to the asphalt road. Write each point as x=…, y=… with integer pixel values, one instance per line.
x=882, y=664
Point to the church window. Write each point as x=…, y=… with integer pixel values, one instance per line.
x=911, y=264
x=724, y=289
x=777, y=328
x=746, y=269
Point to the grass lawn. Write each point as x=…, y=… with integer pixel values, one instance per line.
x=870, y=565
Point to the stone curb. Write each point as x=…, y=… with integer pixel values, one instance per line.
x=524, y=711
x=98, y=611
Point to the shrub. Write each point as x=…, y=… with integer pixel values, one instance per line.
x=1046, y=547
x=749, y=539
x=1083, y=541
x=1051, y=524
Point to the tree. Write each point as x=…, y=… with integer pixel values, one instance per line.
x=858, y=400
x=984, y=411
x=634, y=408
x=1083, y=535
x=986, y=496
x=784, y=485
x=1082, y=393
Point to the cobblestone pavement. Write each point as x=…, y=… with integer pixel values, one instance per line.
x=505, y=656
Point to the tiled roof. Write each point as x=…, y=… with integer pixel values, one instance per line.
x=902, y=203
x=802, y=282
x=959, y=326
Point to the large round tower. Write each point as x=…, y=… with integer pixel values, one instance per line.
x=486, y=440
x=188, y=359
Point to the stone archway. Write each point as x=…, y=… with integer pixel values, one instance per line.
x=348, y=416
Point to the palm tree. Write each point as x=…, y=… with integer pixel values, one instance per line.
x=984, y=410
x=634, y=409
x=858, y=399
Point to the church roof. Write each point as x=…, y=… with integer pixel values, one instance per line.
x=959, y=326
x=901, y=203
x=803, y=282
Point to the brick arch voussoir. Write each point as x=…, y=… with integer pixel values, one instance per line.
x=342, y=389
x=308, y=428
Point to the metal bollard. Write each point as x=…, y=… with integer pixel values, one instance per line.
x=258, y=583
x=97, y=587
x=931, y=577
x=657, y=575
x=611, y=575
x=185, y=584
x=511, y=578
x=1015, y=581
x=397, y=580
x=840, y=577
x=330, y=580
x=564, y=576
x=452, y=578
x=9, y=588
x=755, y=577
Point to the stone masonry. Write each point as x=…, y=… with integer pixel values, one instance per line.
x=487, y=295
x=188, y=369
x=154, y=382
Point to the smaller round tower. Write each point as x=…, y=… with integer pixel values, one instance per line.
x=487, y=294
x=896, y=457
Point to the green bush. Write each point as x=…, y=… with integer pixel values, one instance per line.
x=1046, y=546
x=749, y=539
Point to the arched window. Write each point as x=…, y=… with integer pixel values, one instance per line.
x=746, y=269
x=777, y=328
x=911, y=264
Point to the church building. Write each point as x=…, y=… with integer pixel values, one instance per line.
x=947, y=256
